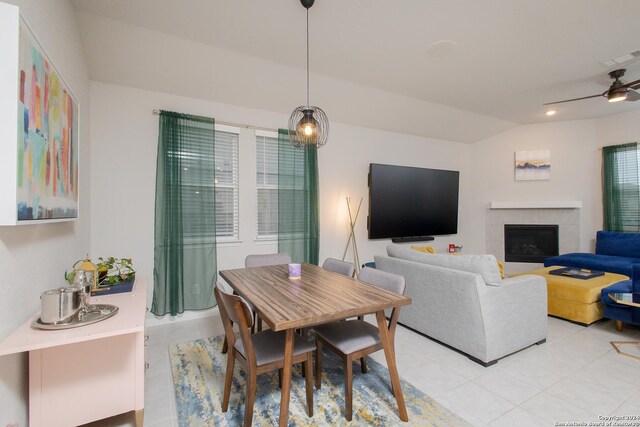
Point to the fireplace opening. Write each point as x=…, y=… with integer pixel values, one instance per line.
x=530, y=243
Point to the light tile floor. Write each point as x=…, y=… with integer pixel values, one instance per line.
x=575, y=376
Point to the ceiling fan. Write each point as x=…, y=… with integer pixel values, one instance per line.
x=618, y=91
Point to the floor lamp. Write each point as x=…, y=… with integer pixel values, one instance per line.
x=351, y=241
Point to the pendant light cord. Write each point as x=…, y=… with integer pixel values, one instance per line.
x=307, y=58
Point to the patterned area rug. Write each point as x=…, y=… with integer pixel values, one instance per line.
x=198, y=373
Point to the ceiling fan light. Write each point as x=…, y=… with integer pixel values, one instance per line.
x=617, y=96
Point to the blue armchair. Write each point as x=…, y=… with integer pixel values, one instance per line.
x=619, y=312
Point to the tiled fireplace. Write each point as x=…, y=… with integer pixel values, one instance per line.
x=564, y=215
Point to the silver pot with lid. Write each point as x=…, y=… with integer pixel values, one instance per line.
x=60, y=305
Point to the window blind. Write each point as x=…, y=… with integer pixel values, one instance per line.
x=267, y=183
x=210, y=184
x=621, y=187
x=226, y=185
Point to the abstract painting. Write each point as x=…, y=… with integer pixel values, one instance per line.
x=533, y=165
x=47, y=174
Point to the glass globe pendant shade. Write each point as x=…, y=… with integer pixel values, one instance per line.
x=308, y=127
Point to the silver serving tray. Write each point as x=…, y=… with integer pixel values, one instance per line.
x=96, y=313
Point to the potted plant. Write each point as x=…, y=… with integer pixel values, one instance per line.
x=114, y=271
x=115, y=275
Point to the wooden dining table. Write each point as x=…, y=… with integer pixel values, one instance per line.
x=318, y=296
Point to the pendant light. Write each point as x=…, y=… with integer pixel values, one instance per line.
x=308, y=124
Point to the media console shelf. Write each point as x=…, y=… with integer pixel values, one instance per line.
x=85, y=374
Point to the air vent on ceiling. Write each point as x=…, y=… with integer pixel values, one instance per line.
x=620, y=59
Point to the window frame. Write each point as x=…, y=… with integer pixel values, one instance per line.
x=235, y=238
x=263, y=237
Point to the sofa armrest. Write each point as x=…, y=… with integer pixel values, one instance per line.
x=515, y=313
x=635, y=279
x=514, y=289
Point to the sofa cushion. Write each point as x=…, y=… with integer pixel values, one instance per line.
x=425, y=249
x=484, y=265
x=611, y=264
x=618, y=244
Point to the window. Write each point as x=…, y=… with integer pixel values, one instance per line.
x=272, y=183
x=621, y=168
x=226, y=183
x=267, y=184
x=201, y=178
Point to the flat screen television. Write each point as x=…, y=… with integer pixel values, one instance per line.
x=408, y=203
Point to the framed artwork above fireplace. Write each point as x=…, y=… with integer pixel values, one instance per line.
x=532, y=165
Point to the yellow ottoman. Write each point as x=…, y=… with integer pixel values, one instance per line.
x=574, y=299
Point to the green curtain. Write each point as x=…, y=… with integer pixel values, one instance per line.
x=621, y=187
x=185, y=231
x=298, y=223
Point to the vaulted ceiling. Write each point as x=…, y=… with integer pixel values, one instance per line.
x=496, y=60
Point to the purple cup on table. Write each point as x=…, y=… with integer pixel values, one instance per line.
x=295, y=271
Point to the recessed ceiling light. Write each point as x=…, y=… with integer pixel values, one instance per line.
x=550, y=113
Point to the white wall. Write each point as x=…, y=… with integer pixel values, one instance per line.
x=575, y=172
x=124, y=133
x=33, y=258
x=619, y=128
x=575, y=168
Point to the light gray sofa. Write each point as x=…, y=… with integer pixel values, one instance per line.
x=462, y=302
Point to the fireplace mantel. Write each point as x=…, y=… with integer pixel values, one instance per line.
x=575, y=204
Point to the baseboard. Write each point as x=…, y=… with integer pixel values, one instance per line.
x=153, y=320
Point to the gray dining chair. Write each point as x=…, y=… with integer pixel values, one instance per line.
x=355, y=339
x=257, y=353
x=261, y=260
x=342, y=267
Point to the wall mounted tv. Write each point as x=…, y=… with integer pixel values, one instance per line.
x=412, y=204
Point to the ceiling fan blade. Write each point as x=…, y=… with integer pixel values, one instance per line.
x=574, y=99
x=632, y=95
x=633, y=85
